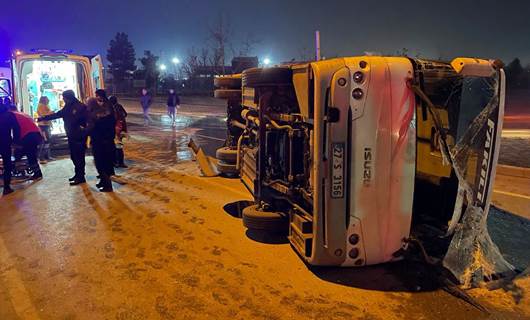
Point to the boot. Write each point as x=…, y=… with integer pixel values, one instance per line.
x=48, y=152
x=101, y=183
x=37, y=175
x=105, y=185
x=120, y=163
x=78, y=181
x=7, y=190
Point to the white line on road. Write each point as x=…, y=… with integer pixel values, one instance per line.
x=208, y=137
x=517, y=195
x=516, y=133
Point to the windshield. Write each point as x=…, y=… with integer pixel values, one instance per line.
x=475, y=127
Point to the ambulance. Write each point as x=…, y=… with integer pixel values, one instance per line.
x=49, y=73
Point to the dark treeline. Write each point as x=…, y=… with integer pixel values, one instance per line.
x=517, y=76
x=197, y=69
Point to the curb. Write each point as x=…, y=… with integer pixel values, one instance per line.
x=513, y=171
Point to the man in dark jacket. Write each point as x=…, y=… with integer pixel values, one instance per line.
x=74, y=115
x=101, y=128
x=9, y=132
x=173, y=102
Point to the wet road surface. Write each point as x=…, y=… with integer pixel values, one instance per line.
x=162, y=246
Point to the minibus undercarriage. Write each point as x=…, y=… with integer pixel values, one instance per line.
x=301, y=140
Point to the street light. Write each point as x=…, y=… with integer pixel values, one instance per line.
x=176, y=62
x=266, y=61
x=163, y=67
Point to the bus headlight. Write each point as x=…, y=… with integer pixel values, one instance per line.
x=357, y=94
x=358, y=77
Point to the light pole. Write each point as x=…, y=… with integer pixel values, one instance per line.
x=162, y=68
x=176, y=62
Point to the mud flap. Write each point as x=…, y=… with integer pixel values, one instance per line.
x=206, y=163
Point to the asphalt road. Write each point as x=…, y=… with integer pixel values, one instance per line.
x=168, y=244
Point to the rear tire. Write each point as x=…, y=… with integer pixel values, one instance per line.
x=227, y=155
x=228, y=94
x=227, y=169
x=227, y=83
x=269, y=221
x=268, y=77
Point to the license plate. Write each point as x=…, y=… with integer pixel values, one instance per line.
x=337, y=171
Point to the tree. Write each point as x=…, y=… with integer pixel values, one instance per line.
x=189, y=67
x=220, y=34
x=205, y=53
x=515, y=74
x=121, y=56
x=248, y=45
x=149, y=62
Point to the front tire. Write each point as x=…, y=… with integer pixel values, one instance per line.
x=269, y=221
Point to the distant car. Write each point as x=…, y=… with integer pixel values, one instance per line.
x=354, y=156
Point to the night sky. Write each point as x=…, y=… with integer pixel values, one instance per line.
x=434, y=29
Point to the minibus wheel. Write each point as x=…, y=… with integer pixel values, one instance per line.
x=267, y=77
x=227, y=155
x=269, y=221
x=227, y=83
x=228, y=94
x=227, y=168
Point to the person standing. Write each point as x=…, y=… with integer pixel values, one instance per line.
x=101, y=128
x=29, y=140
x=146, y=101
x=74, y=115
x=9, y=131
x=121, y=131
x=46, y=128
x=173, y=102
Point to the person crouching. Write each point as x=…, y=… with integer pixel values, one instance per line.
x=30, y=140
x=101, y=129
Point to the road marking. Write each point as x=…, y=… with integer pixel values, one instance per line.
x=208, y=137
x=14, y=285
x=515, y=133
x=512, y=194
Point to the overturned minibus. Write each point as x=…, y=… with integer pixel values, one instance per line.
x=354, y=157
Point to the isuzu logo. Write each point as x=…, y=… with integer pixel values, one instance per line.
x=367, y=168
x=486, y=163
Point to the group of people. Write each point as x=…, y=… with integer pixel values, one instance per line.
x=102, y=119
x=173, y=102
